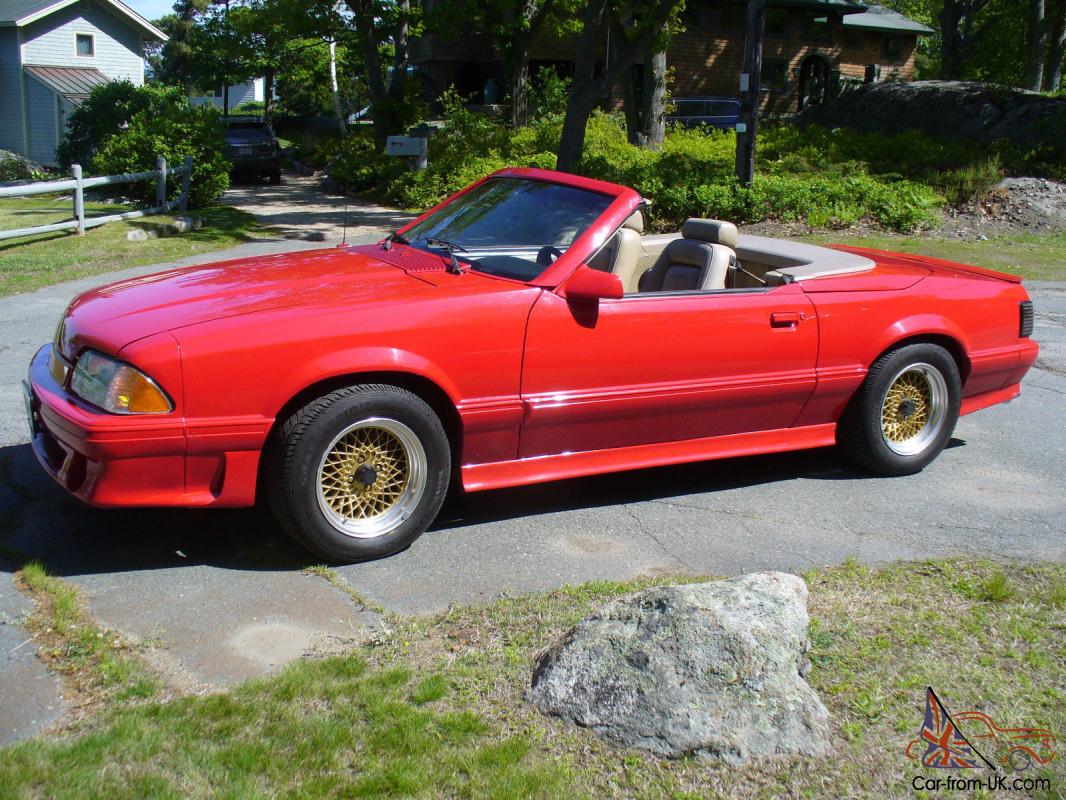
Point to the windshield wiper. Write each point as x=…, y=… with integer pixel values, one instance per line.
x=451, y=247
x=393, y=237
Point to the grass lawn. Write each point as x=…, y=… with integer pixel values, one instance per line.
x=33, y=262
x=435, y=706
x=1034, y=256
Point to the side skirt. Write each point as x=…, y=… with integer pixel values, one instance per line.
x=501, y=474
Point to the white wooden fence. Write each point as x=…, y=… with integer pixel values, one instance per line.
x=78, y=185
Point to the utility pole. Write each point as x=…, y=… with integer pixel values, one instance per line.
x=225, y=66
x=749, y=91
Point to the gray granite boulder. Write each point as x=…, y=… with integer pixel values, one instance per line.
x=711, y=669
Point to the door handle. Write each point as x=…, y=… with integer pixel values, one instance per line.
x=785, y=319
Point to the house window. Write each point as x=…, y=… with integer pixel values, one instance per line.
x=85, y=45
x=816, y=29
x=776, y=22
x=854, y=40
x=891, y=47
x=734, y=17
x=774, y=75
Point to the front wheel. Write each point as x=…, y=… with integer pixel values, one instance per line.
x=359, y=473
x=904, y=412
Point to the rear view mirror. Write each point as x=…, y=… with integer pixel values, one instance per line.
x=591, y=285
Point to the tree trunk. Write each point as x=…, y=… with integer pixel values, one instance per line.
x=1056, y=47
x=401, y=59
x=335, y=91
x=268, y=94
x=950, y=41
x=631, y=106
x=363, y=11
x=653, y=127
x=1036, y=46
x=585, y=90
x=520, y=90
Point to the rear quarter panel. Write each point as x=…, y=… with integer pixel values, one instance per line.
x=978, y=313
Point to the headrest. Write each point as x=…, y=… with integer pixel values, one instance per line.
x=635, y=222
x=688, y=252
x=714, y=231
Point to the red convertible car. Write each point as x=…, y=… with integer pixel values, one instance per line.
x=524, y=330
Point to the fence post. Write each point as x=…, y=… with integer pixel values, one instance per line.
x=79, y=199
x=186, y=180
x=161, y=183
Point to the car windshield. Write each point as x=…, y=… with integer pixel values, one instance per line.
x=511, y=227
x=247, y=132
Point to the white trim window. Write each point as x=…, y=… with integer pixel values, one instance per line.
x=85, y=45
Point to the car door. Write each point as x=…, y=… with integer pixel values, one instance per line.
x=651, y=368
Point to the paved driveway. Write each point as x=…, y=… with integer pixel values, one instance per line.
x=222, y=594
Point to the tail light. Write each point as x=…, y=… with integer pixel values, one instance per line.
x=1025, y=325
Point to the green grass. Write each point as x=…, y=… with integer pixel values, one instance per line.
x=96, y=663
x=438, y=710
x=1032, y=256
x=30, y=263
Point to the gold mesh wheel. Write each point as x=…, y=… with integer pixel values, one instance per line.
x=913, y=409
x=371, y=477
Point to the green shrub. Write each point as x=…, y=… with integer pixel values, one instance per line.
x=105, y=112
x=823, y=178
x=173, y=133
x=548, y=94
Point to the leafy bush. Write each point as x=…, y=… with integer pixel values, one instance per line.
x=174, y=132
x=548, y=93
x=824, y=178
x=105, y=113
x=14, y=167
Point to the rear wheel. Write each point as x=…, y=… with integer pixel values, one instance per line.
x=904, y=412
x=359, y=473
x=275, y=178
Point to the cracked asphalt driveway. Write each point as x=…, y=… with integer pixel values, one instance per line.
x=220, y=595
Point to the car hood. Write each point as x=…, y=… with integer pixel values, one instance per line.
x=114, y=315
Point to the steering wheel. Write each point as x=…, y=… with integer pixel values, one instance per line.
x=547, y=255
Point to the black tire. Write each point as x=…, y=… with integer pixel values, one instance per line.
x=300, y=445
x=275, y=178
x=877, y=444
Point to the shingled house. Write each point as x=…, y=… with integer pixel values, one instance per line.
x=52, y=54
x=809, y=47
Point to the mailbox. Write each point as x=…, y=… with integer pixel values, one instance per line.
x=405, y=146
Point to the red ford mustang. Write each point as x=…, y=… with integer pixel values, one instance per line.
x=524, y=330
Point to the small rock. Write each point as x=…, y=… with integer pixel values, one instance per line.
x=137, y=235
x=712, y=669
x=183, y=224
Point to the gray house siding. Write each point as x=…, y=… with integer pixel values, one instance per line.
x=50, y=41
x=41, y=116
x=10, y=101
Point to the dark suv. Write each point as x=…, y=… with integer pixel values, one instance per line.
x=252, y=147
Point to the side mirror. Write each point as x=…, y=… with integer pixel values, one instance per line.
x=591, y=285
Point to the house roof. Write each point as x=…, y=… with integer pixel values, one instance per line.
x=73, y=83
x=19, y=13
x=879, y=18
x=844, y=7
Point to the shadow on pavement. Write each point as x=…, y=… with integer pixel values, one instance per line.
x=39, y=521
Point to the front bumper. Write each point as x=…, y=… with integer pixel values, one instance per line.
x=104, y=459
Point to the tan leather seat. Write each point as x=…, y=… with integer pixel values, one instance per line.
x=687, y=265
x=700, y=260
x=622, y=253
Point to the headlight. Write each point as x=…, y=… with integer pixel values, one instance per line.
x=117, y=387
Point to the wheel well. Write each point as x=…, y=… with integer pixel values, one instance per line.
x=435, y=397
x=958, y=353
